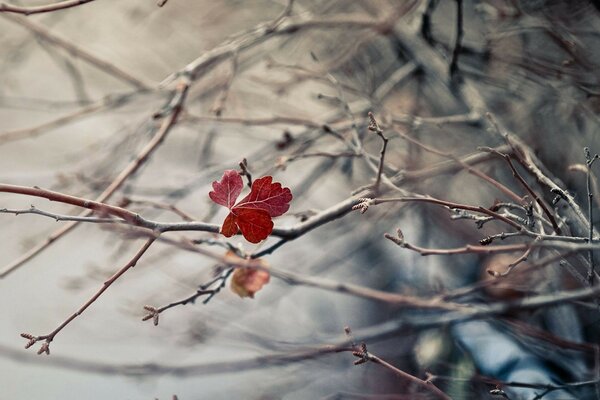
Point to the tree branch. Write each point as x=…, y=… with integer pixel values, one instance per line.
x=61, y=5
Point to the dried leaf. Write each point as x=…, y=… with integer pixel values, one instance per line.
x=245, y=282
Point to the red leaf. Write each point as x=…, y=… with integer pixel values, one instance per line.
x=229, y=227
x=255, y=224
x=227, y=191
x=252, y=215
x=267, y=196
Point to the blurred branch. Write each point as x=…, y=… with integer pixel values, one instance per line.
x=363, y=356
x=374, y=333
x=61, y=5
x=45, y=348
x=79, y=52
x=458, y=39
x=32, y=132
x=170, y=119
x=283, y=25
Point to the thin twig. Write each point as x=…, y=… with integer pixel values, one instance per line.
x=426, y=22
x=364, y=356
x=60, y=217
x=387, y=329
x=458, y=39
x=203, y=290
x=167, y=123
x=589, y=160
x=79, y=52
x=126, y=201
x=365, y=203
x=487, y=249
x=502, y=188
x=374, y=127
x=512, y=265
x=35, y=131
x=219, y=104
x=528, y=188
x=62, y=5
x=50, y=337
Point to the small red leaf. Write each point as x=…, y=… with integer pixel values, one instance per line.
x=229, y=227
x=252, y=215
x=227, y=191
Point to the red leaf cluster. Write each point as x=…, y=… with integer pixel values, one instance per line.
x=251, y=215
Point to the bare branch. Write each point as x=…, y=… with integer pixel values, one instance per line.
x=50, y=336
x=78, y=51
x=167, y=123
x=61, y=5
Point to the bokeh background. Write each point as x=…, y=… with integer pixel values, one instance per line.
x=534, y=64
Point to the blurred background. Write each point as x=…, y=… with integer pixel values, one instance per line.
x=79, y=90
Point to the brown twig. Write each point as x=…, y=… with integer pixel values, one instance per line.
x=365, y=203
x=167, y=123
x=487, y=249
x=19, y=134
x=387, y=329
x=502, y=188
x=61, y=5
x=363, y=356
x=219, y=104
x=45, y=348
x=126, y=201
x=589, y=160
x=203, y=290
x=458, y=38
x=522, y=258
x=283, y=161
x=523, y=182
x=246, y=171
x=79, y=52
x=374, y=127
x=283, y=25
x=292, y=278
